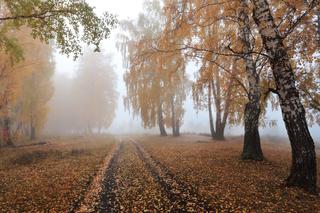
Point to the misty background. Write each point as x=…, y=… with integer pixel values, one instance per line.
x=123, y=123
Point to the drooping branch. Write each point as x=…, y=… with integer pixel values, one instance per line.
x=41, y=15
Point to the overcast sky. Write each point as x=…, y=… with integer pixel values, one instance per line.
x=129, y=9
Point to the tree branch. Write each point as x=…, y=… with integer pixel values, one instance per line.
x=42, y=15
x=297, y=21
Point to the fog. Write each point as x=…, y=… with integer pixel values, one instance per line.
x=62, y=116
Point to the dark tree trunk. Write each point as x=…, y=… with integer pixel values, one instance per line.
x=220, y=132
x=221, y=128
x=221, y=114
x=219, y=125
x=212, y=131
x=217, y=92
x=303, y=171
x=6, y=134
x=32, y=130
x=173, y=117
x=33, y=133
x=177, y=133
x=251, y=148
x=160, y=122
x=163, y=131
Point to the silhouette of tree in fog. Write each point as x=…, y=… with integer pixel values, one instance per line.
x=85, y=104
x=94, y=92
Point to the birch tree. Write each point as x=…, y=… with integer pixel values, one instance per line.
x=156, y=82
x=303, y=171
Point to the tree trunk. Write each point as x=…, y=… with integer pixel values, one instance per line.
x=160, y=122
x=226, y=111
x=33, y=133
x=318, y=23
x=177, y=128
x=173, y=117
x=212, y=131
x=252, y=147
x=7, y=140
x=219, y=134
x=217, y=90
x=303, y=171
x=32, y=130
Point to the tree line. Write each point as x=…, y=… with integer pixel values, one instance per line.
x=30, y=31
x=250, y=53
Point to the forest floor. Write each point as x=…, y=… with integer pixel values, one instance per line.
x=150, y=174
x=52, y=177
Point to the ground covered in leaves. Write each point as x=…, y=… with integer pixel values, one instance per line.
x=52, y=177
x=148, y=174
x=225, y=181
x=130, y=187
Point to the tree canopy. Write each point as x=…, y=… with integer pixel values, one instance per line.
x=69, y=23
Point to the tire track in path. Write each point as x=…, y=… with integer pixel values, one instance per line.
x=129, y=187
x=108, y=196
x=184, y=197
x=93, y=197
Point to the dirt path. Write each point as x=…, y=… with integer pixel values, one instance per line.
x=134, y=182
x=183, y=197
x=92, y=199
x=108, y=196
x=129, y=187
x=130, y=180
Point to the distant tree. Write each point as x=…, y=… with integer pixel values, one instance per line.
x=156, y=83
x=217, y=90
x=31, y=109
x=67, y=23
x=175, y=87
x=62, y=117
x=25, y=87
x=94, y=91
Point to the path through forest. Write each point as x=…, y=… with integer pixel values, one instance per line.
x=193, y=174
x=135, y=181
